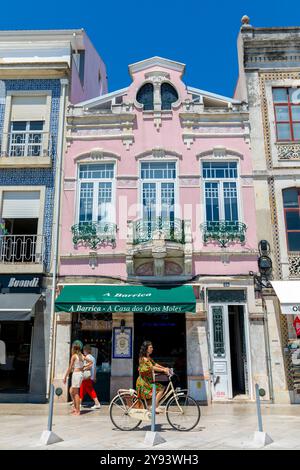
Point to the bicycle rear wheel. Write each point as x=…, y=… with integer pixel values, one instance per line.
x=119, y=411
x=183, y=413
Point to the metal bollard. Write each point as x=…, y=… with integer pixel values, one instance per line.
x=153, y=407
x=51, y=402
x=260, y=426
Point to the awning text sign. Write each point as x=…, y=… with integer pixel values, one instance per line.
x=122, y=299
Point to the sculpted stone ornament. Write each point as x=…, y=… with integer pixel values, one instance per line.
x=288, y=151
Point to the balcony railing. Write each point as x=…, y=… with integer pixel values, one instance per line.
x=94, y=233
x=223, y=231
x=26, y=144
x=22, y=249
x=170, y=230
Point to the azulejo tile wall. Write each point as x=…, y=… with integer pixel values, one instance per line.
x=38, y=176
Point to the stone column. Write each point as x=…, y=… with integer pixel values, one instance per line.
x=122, y=369
x=258, y=350
x=198, y=356
x=280, y=387
x=63, y=333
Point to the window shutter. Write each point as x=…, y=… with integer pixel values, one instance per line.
x=21, y=204
x=29, y=108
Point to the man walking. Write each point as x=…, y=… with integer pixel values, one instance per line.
x=89, y=378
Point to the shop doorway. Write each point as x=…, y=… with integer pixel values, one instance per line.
x=237, y=349
x=228, y=351
x=16, y=356
x=168, y=335
x=97, y=332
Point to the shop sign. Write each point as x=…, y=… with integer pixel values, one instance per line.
x=98, y=325
x=122, y=343
x=20, y=283
x=290, y=309
x=123, y=308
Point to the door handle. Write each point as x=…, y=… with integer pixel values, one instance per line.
x=217, y=380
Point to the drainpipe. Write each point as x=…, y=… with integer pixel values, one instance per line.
x=268, y=352
x=56, y=222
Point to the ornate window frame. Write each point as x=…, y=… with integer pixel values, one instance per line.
x=283, y=153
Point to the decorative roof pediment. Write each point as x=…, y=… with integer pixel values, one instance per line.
x=156, y=62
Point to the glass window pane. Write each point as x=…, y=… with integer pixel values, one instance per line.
x=167, y=201
x=292, y=220
x=145, y=96
x=294, y=241
x=219, y=170
x=158, y=170
x=97, y=171
x=296, y=113
x=149, y=201
x=280, y=95
x=290, y=197
x=294, y=95
x=168, y=96
x=212, y=201
x=36, y=125
x=86, y=202
x=282, y=113
x=19, y=126
x=218, y=332
x=230, y=201
x=296, y=130
x=104, y=202
x=283, y=132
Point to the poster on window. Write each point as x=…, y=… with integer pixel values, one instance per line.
x=122, y=343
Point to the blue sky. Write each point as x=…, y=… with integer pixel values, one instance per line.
x=200, y=34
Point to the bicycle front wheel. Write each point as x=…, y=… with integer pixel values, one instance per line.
x=183, y=413
x=121, y=412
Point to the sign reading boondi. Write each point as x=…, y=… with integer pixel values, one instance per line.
x=137, y=299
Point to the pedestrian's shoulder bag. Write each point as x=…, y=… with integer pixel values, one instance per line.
x=86, y=374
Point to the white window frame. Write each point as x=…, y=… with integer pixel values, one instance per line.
x=96, y=181
x=158, y=181
x=221, y=182
x=7, y=116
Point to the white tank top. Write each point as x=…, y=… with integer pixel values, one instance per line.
x=78, y=364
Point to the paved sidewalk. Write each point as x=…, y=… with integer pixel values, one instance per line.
x=229, y=426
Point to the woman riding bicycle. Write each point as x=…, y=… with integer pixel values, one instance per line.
x=147, y=368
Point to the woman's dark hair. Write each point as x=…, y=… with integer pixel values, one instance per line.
x=144, y=349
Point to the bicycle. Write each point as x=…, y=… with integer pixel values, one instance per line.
x=127, y=411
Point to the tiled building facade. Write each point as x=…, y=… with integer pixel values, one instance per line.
x=40, y=74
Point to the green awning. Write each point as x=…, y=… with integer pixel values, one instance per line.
x=113, y=298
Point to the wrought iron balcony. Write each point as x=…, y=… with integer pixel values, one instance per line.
x=170, y=230
x=94, y=233
x=223, y=231
x=26, y=144
x=22, y=249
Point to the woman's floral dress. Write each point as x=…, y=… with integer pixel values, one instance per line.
x=145, y=380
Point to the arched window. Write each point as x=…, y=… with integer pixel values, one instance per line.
x=168, y=96
x=145, y=96
x=291, y=204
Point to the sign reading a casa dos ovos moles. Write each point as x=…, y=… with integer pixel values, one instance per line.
x=290, y=309
x=122, y=343
x=114, y=308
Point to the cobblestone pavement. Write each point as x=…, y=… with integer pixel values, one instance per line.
x=229, y=426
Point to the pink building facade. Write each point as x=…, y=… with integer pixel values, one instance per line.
x=158, y=193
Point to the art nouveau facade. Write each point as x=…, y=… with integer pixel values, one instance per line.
x=41, y=72
x=158, y=193
x=269, y=81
